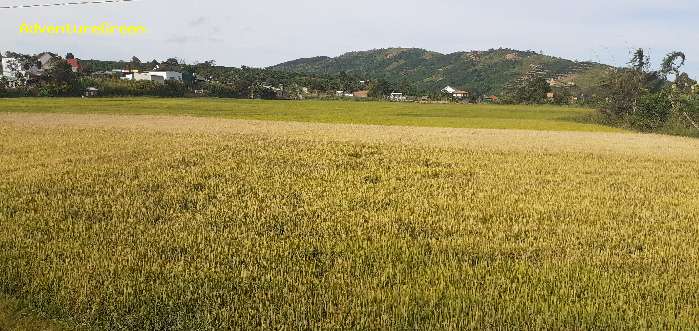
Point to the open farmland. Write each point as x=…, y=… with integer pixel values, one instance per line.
x=165, y=222
x=541, y=117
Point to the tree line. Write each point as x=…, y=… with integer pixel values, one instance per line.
x=663, y=100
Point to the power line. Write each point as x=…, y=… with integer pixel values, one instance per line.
x=77, y=3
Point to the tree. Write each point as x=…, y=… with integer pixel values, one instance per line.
x=379, y=88
x=672, y=64
x=171, y=61
x=61, y=73
x=644, y=99
x=170, y=64
x=684, y=84
x=407, y=87
x=623, y=87
x=70, y=56
x=639, y=60
x=345, y=82
x=529, y=90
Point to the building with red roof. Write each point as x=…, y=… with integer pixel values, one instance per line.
x=74, y=64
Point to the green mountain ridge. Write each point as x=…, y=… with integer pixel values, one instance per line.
x=481, y=72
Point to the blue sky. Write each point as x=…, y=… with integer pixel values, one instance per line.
x=263, y=33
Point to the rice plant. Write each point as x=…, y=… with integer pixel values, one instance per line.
x=119, y=226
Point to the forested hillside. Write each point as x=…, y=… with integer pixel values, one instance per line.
x=481, y=72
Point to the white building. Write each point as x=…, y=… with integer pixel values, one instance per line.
x=156, y=76
x=459, y=94
x=167, y=75
x=12, y=68
x=395, y=96
x=448, y=90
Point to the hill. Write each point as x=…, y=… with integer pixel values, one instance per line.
x=481, y=72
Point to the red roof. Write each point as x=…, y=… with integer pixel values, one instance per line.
x=74, y=63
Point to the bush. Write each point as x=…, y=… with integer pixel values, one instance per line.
x=57, y=90
x=124, y=88
x=223, y=90
x=652, y=111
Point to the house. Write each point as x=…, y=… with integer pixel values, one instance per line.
x=550, y=95
x=397, y=96
x=12, y=72
x=339, y=93
x=74, y=64
x=459, y=94
x=47, y=60
x=361, y=94
x=448, y=90
x=167, y=75
x=12, y=68
x=155, y=76
x=272, y=88
x=91, y=92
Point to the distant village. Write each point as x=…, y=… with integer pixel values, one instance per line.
x=17, y=73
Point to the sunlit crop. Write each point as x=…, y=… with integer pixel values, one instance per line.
x=179, y=223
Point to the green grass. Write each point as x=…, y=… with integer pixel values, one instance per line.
x=380, y=113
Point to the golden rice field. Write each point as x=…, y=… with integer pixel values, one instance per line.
x=178, y=223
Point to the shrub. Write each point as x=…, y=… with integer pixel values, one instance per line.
x=652, y=111
x=122, y=88
x=223, y=90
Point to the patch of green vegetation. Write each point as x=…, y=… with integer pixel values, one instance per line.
x=14, y=317
x=547, y=117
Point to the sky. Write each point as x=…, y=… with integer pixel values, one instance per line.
x=264, y=33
